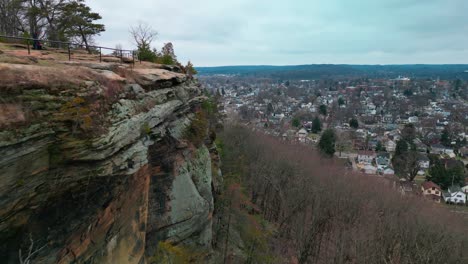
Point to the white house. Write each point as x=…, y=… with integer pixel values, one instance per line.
x=366, y=157
x=424, y=164
x=302, y=135
x=390, y=146
x=440, y=149
x=369, y=169
x=465, y=189
x=388, y=171
x=413, y=119
x=454, y=195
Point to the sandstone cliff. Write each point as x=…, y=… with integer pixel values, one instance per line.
x=94, y=166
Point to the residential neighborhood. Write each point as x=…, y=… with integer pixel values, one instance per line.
x=409, y=131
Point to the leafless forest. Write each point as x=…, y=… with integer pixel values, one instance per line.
x=325, y=214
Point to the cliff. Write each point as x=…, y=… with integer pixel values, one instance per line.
x=94, y=166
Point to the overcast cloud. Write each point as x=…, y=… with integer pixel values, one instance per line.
x=258, y=32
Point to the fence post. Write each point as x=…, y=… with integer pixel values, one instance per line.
x=121, y=56
x=133, y=57
x=100, y=54
x=69, y=52
x=29, y=49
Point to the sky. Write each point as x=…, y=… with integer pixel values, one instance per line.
x=292, y=32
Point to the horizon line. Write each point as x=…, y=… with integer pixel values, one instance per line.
x=336, y=64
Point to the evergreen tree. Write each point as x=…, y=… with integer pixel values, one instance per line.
x=458, y=84
x=78, y=21
x=296, y=122
x=327, y=143
x=270, y=109
x=341, y=101
x=406, y=160
x=323, y=110
x=354, y=123
x=443, y=176
x=143, y=35
x=401, y=147
x=316, y=125
x=168, y=56
x=445, y=138
x=408, y=133
x=408, y=92
x=189, y=69
x=379, y=147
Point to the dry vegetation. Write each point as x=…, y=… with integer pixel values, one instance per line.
x=324, y=214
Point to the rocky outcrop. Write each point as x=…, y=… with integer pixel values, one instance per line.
x=94, y=167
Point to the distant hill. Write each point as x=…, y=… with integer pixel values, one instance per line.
x=321, y=71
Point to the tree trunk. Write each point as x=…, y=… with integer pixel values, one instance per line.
x=83, y=36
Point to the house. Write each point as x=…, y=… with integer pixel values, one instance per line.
x=424, y=161
x=431, y=191
x=302, y=135
x=440, y=149
x=370, y=169
x=407, y=187
x=382, y=160
x=390, y=146
x=388, y=171
x=455, y=195
x=463, y=152
x=420, y=146
x=366, y=157
x=453, y=164
x=465, y=189
x=413, y=119
x=387, y=118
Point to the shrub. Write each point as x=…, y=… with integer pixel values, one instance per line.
x=166, y=60
x=170, y=253
x=78, y=113
x=145, y=129
x=197, y=130
x=146, y=54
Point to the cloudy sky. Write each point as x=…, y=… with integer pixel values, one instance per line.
x=285, y=32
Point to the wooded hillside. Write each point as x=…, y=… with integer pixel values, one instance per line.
x=324, y=214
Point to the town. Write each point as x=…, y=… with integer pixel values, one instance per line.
x=411, y=131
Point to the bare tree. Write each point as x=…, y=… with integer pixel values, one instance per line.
x=143, y=35
x=326, y=214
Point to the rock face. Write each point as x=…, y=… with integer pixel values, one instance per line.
x=93, y=164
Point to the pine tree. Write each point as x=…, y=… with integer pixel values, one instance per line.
x=78, y=21
x=327, y=143
x=316, y=125
x=323, y=110
x=354, y=123
x=168, y=56
x=296, y=122
x=341, y=101
x=445, y=138
x=190, y=70
x=379, y=146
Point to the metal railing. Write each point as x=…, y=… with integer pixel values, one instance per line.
x=70, y=45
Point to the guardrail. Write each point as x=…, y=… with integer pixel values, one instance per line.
x=69, y=46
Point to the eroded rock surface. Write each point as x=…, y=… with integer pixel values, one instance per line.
x=94, y=167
